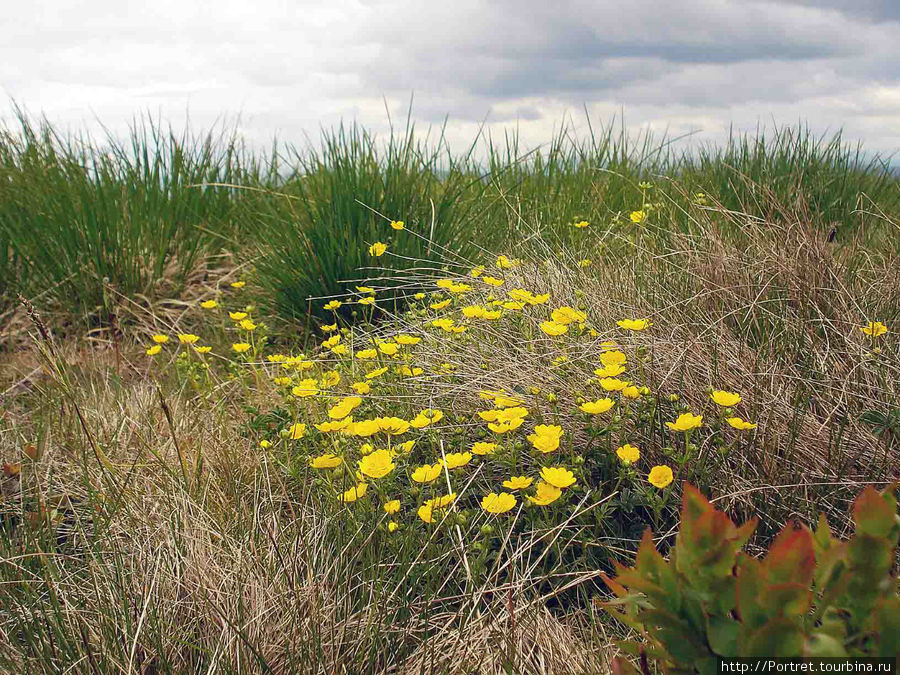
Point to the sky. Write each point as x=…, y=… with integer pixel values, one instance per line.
x=683, y=68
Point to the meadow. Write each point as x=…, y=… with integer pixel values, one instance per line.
x=376, y=405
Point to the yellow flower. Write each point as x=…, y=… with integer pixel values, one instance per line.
x=281, y=381
x=297, y=431
x=363, y=428
x=188, y=338
x=631, y=392
x=335, y=425
x=392, y=526
x=389, y=348
x=441, y=305
x=330, y=378
x=477, y=271
x=419, y=296
x=365, y=289
x=546, y=437
x=426, y=417
x=377, y=249
x=581, y=224
x=686, y=422
x=492, y=281
x=354, y=493
x=406, y=446
x=392, y=426
x=391, y=507
x=398, y=224
x=613, y=384
x=209, y=304
x=874, y=328
x=376, y=373
x=498, y=503
x=366, y=354
x=154, y=350
x=634, y=324
x=518, y=482
x=326, y=461
x=308, y=387
x=740, y=424
x=203, y=350
x=426, y=513
x=726, y=399
x=553, y=328
x=237, y=316
x=377, y=464
x=637, y=217
x=609, y=371
x=545, y=494
x=427, y=472
x=482, y=448
x=332, y=305
x=361, y=387
x=441, y=502
x=566, y=315
x=344, y=407
x=406, y=371
x=660, y=476
x=407, y=339
x=584, y=263
x=613, y=358
x=628, y=453
x=264, y=444
x=558, y=476
x=597, y=407
x=247, y=325
x=160, y=339
x=329, y=328
x=238, y=284
x=240, y=347
x=366, y=301
x=505, y=263
x=454, y=460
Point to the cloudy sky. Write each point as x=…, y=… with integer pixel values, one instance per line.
x=288, y=67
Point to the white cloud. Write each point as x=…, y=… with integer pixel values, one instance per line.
x=291, y=67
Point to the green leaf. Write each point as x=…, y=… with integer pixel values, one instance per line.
x=722, y=634
x=778, y=637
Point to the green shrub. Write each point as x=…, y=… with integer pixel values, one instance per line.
x=811, y=595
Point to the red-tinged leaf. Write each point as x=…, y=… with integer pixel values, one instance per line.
x=744, y=532
x=618, y=589
x=788, y=599
x=791, y=558
x=822, y=536
x=874, y=513
x=693, y=506
x=778, y=637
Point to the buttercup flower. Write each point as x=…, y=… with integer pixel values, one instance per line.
x=546, y=437
x=454, y=460
x=637, y=217
x=660, y=476
x=874, y=328
x=154, y=350
x=344, y=407
x=609, y=371
x=237, y=316
x=726, y=399
x=188, y=338
x=397, y=224
x=740, y=424
x=686, y=422
x=361, y=387
x=566, y=315
x=209, y=304
x=597, y=407
x=498, y=503
x=482, y=448
x=628, y=453
x=240, y=347
x=326, y=461
x=160, y=339
x=377, y=249
x=238, y=284
x=297, y=431
x=308, y=387
x=518, y=482
x=332, y=305
x=558, y=476
x=613, y=384
x=377, y=464
x=392, y=507
x=553, y=328
x=634, y=324
x=545, y=494
x=354, y=493
x=427, y=472
x=581, y=224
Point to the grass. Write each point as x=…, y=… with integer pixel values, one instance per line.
x=158, y=515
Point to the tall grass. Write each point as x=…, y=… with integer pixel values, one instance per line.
x=75, y=211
